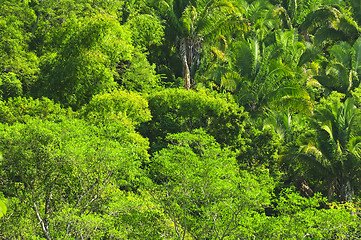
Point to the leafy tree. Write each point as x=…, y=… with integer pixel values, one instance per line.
x=147, y=30
x=261, y=149
x=202, y=191
x=261, y=75
x=95, y=54
x=86, y=62
x=21, y=109
x=104, y=108
x=17, y=62
x=301, y=217
x=54, y=168
x=297, y=10
x=263, y=17
x=178, y=110
x=331, y=24
x=10, y=86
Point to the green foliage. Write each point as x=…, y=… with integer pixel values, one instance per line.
x=261, y=150
x=137, y=74
x=116, y=105
x=86, y=61
x=293, y=64
x=330, y=24
x=263, y=75
x=202, y=190
x=10, y=86
x=21, y=109
x=341, y=71
x=93, y=54
x=3, y=208
x=332, y=153
x=67, y=165
x=300, y=218
x=147, y=30
x=191, y=23
x=178, y=110
x=125, y=215
x=16, y=20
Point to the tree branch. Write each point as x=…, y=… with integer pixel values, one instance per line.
x=43, y=227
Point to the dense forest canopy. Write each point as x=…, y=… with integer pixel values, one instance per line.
x=180, y=119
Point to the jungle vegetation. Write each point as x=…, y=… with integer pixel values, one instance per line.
x=180, y=119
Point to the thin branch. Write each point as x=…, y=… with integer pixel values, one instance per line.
x=43, y=227
x=86, y=193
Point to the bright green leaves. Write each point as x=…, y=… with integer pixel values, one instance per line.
x=86, y=62
x=264, y=74
x=331, y=154
x=300, y=217
x=117, y=104
x=341, y=72
x=22, y=109
x=66, y=165
x=202, y=189
x=3, y=209
x=94, y=55
x=178, y=110
x=328, y=23
x=147, y=30
x=16, y=20
x=188, y=19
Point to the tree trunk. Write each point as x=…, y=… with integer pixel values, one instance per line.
x=347, y=192
x=184, y=49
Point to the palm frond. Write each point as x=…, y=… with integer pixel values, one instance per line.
x=290, y=98
x=354, y=146
x=311, y=150
x=218, y=53
x=276, y=120
x=327, y=126
x=188, y=19
x=319, y=17
x=310, y=157
x=342, y=53
x=311, y=54
x=229, y=80
x=326, y=33
x=349, y=27
x=356, y=61
x=244, y=59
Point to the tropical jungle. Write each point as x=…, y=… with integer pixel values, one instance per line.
x=180, y=119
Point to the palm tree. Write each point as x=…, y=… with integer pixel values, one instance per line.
x=329, y=24
x=265, y=75
x=191, y=24
x=342, y=70
x=334, y=153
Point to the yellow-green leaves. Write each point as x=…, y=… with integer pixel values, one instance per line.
x=115, y=105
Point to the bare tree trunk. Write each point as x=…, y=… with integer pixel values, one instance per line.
x=186, y=63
